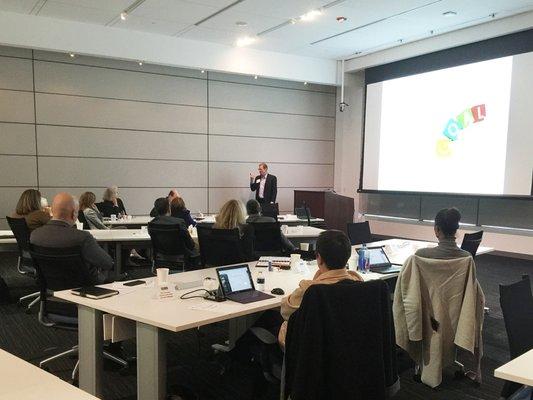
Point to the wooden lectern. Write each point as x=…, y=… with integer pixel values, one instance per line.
x=336, y=210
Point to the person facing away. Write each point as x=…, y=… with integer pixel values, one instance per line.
x=162, y=208
x=232, y=216
x=112, y=204
x=171, y=196
x=30, y=208
x=253, y=208
x=91, y=212
x=179, y=210
x=264, y=185
x=446, y=225
x=59, y=233
x=333, y=249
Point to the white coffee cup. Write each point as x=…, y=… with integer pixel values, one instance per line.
x=113, y=217
x=304, y=246
x=162, y=275
x=295, y=261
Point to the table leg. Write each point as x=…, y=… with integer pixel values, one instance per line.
x=118, y=259
x=151, y=363
x=237, y=327
x=90, y=341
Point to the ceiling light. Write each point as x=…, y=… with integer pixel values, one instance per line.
x=449, y=14
x=244, y=41
x=310, y=15
x=123, y=16
x=72, y=55
x=255, y=76
x=202, y=71
x=341, y=19
x=140, y=63
x=241, y=23
x=293, y=21
x=305, y=83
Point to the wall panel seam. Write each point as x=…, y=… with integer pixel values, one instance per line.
x=121, y=129
x=35, y=118
x=18, y=57
x=271, y=112
x=16, y=90
x=273, y=137
x=274, y=87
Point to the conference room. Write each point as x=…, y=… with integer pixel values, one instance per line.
x=245, y=199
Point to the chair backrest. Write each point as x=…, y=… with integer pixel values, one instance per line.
x=303, y=212
x=219, y=246
x=471, y=242
x=83, y=220
x=270, y=210
x=167, y=240
x=516, y=302
x=359, y=233
x=22, y=235
x=267, y=238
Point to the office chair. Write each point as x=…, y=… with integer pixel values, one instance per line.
x=83, y=220
x=168, y=247
x=270, y=210
x=267, y=239
x=359, y=233
x=471, y=242
x=25, y=263
x=61, y=269
x=219, y=246
x=303, y=212
x=516, y=302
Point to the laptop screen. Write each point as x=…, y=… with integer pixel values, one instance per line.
x=235, y=279
x=378, y=258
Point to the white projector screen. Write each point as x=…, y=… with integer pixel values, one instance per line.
x=466, y=129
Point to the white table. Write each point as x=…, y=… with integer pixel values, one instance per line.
x=135, y=221
x=154, y=318
x=23, y=381
x=519, y=370
x=285, y=219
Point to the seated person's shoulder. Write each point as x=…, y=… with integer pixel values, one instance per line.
x=424, y=252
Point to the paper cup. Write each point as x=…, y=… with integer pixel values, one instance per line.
x=162, y=275
x=113, y=217
x=304, y=246
x=295, y=261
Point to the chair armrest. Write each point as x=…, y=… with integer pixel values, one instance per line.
x=263, y=335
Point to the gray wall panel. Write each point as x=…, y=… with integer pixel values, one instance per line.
x=9, y=198
x=250, y=123
x=16, y=74
x=396, y=205
x=432, y=204
x=122, y=114
x=18, y=171
x=15, y=52
x=110, y=143
x=138, y=201
x=61, y=171
x=17, y=138
x=111, y=83
x=499, y=212
x=16, y=106
x=258, y=98
x=288, y=175
x=226, y=148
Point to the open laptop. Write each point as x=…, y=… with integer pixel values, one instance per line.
x=380, y=263
x=237, y=284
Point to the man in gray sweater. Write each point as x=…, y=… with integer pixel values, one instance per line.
x=60, y=233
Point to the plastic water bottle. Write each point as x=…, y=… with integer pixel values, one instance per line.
x=361, y=264
x=260, y=281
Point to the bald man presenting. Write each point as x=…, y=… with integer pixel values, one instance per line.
x=264, y=185
x=60, y=233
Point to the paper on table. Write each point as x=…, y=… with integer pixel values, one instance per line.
x=204, y=306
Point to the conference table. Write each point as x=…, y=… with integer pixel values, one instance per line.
x=155, y=319
x=519, y=370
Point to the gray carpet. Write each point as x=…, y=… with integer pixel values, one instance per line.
x=192, y=364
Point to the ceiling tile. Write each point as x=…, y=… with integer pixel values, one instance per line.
x=18, y=6
x=174, y=10
x=83, y=14
x=110, y=5
x=285, y=9
x=256, y=23
x=158, y=26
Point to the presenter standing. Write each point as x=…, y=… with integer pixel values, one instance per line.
x=264, y=185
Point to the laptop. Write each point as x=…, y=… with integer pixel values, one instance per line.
x=237, y=284
x=380, y=263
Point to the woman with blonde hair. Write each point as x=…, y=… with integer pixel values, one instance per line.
x=90, y=211
x=231, y=216
x=112, y=204
x=29, y=207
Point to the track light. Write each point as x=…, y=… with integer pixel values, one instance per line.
x=255, y=77
x=202, y=71
x=140, y=63
x=310, y=15
x=72, y=55
x=123, y=16
x=245, y=41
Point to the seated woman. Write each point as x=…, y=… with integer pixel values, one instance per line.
x=112, y=204
x=91, y=212
x=179, y=210
x=30, y=208
x=231, y=216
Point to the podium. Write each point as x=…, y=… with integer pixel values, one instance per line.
x=335, y=209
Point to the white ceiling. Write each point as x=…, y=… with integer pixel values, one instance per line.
x=372, y=25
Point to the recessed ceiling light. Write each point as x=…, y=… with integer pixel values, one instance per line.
x=202, y=71
x=305, y=83
x=341, y=19
x=72, y=55
x=241, y=23
x=123, y=16
x=449, y=14
x=255, y=76
x=140, y=63
x=244, y=41
x=310, y=15
x=293, y=21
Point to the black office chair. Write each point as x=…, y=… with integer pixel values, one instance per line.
x=25, y=263
x=219, y=246
x=267, y=239
x=359, y=233
x=471, y=242
x=61, y=269
x=168, y=247
x=516, y=301
x=303, y=213
x=270, y=210
x=83, y=220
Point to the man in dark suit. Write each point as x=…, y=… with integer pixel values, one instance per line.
x=253, y=209
x=59, y=233
x=264, y=185
x=163, y=217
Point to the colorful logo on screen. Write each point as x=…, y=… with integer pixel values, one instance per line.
x=455, y=126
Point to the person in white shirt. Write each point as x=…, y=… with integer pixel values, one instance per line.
x=264, y=185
